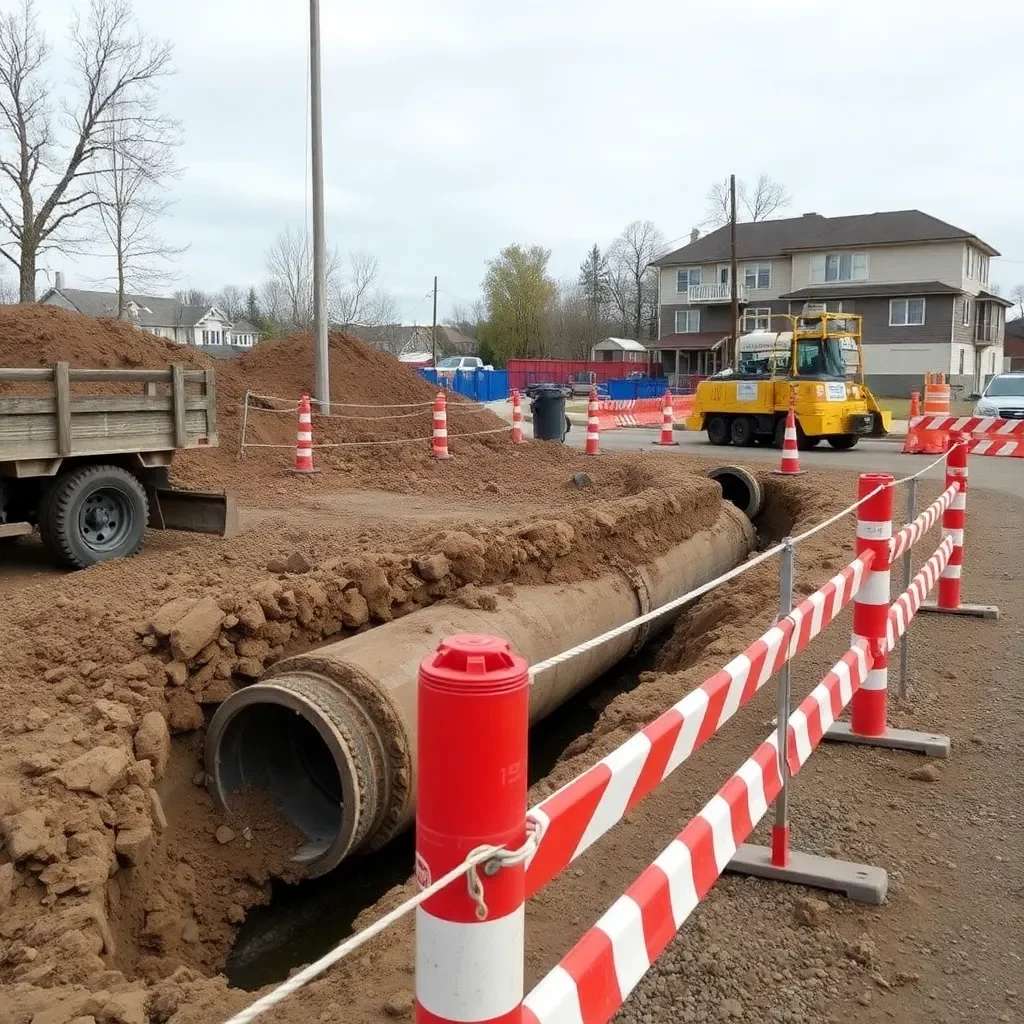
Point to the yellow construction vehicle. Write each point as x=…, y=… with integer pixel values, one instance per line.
x=819, y=360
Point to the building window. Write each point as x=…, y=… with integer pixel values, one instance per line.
x=686, y=277
x=906, y=312
x=966, y=320
x=839, y=266
x=757, y=275
x=687, y=321
x=757, y=318
x=206, y=337
x=961, y=362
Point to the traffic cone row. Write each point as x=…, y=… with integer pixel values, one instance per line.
x=304, y=441
x=790, y=465
x=667, y=437
x=593, y=431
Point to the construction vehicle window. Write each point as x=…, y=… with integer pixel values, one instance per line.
x=817, y=358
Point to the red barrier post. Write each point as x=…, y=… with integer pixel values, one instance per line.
x=954, y=519
x=790, y=463
x=473, y=718
x=440, y=442
x=871, y=605
x=667, y=438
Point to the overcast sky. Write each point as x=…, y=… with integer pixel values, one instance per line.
x=455, y=127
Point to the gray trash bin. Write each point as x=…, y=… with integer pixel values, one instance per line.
x=547, y=407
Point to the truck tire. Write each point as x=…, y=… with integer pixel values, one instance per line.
x=718, y=430
x=94, y=514
x=843, y=442
x=741, y=431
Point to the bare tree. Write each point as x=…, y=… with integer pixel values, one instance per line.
x=48, y=180
x=131, y=188
x=193, y=297
x=290, y=264
x=233, y=300
x=757, y=203
x=467, y=319
x=571, y=322
x=631, y=279
x=1017, y=295
x=8, y=291
x=274, y=302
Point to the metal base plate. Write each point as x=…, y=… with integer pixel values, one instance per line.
x=929, y=744
x=978, y=611
x=860, y=882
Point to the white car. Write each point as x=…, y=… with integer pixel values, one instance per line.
x=1004, y=397
x=452, y=363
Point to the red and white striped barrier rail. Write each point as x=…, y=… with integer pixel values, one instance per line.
x=641, y=412
x=913, y=532
x=593, y=980
x=971, y=425
x=1006, y=449
x=576, y=816
x=909, y=603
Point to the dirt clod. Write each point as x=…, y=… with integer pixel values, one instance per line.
x=224, y=835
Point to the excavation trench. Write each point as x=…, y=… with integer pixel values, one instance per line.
x=330, y=734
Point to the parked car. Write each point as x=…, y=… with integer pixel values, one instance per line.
x=582, y=383
x=1003, y=397
x=452, y=363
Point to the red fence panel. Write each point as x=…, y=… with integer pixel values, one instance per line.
x=559, y=371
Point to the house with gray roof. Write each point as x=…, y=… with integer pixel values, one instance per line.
x=920, y=285
x=204, y=326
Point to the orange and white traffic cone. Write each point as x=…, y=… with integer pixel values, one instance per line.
x=593, y=431
x=440, y=441
x=517, y=418
x=790, y=465
x=304, y=442
x=667, y=437
x=912, y=445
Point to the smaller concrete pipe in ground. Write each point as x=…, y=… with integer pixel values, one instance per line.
x=740, y=487
x=331, y=734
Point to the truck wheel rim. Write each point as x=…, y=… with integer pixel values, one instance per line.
x=105, y=520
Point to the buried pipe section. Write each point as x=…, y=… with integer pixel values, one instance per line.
x=740, y=488
x=331, y=734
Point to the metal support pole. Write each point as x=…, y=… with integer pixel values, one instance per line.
x=780, y=831
x=433, y=329
x=734, y=291
x=322, y=363
x=907, y=577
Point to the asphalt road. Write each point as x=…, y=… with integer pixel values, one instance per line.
x=880, y=456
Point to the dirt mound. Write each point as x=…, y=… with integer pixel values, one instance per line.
x=33, y=336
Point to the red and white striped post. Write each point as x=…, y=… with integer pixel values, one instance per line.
x=440, y=441
x=790, y=464
x=868, y=709
x=517, y=418
x=667, y=427
x=954, y=520
x=593, y=427
x=473, y=718
x=304, y=441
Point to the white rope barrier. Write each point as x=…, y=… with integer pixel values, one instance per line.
x=400, y=440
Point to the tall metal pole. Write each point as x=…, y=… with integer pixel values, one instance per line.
x=734, y=292
x=433, y=327
x=322, y=363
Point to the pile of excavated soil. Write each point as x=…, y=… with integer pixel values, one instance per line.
x=39, y=336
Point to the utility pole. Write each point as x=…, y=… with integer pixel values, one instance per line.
x=322, y=360
x=433, y=328
x=735, y=292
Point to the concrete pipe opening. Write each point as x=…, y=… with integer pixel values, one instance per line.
x=302, y=743
x=740, y=488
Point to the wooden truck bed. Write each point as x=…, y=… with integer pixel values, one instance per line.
x=173, y=409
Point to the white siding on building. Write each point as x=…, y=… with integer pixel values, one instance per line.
x=907, y=359
x=892, y=264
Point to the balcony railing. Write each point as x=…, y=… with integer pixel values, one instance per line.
x=984, y=334
x=714, y=293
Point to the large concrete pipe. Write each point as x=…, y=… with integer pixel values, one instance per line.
x=331, y=734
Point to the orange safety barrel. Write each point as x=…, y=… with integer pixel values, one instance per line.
x=936, y=403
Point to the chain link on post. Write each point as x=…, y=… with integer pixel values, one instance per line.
x=473, y=719
x=908, y=575
x=871, y=606
x=780, y=830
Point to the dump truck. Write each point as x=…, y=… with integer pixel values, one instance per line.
x=90, y=470
x=818, y=363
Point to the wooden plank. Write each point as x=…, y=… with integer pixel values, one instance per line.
x=149, y=388
x=11, y=373
x=15, y=529
x=99, y=403
x=62, y=386
x=210, y=392
x=178, y=394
